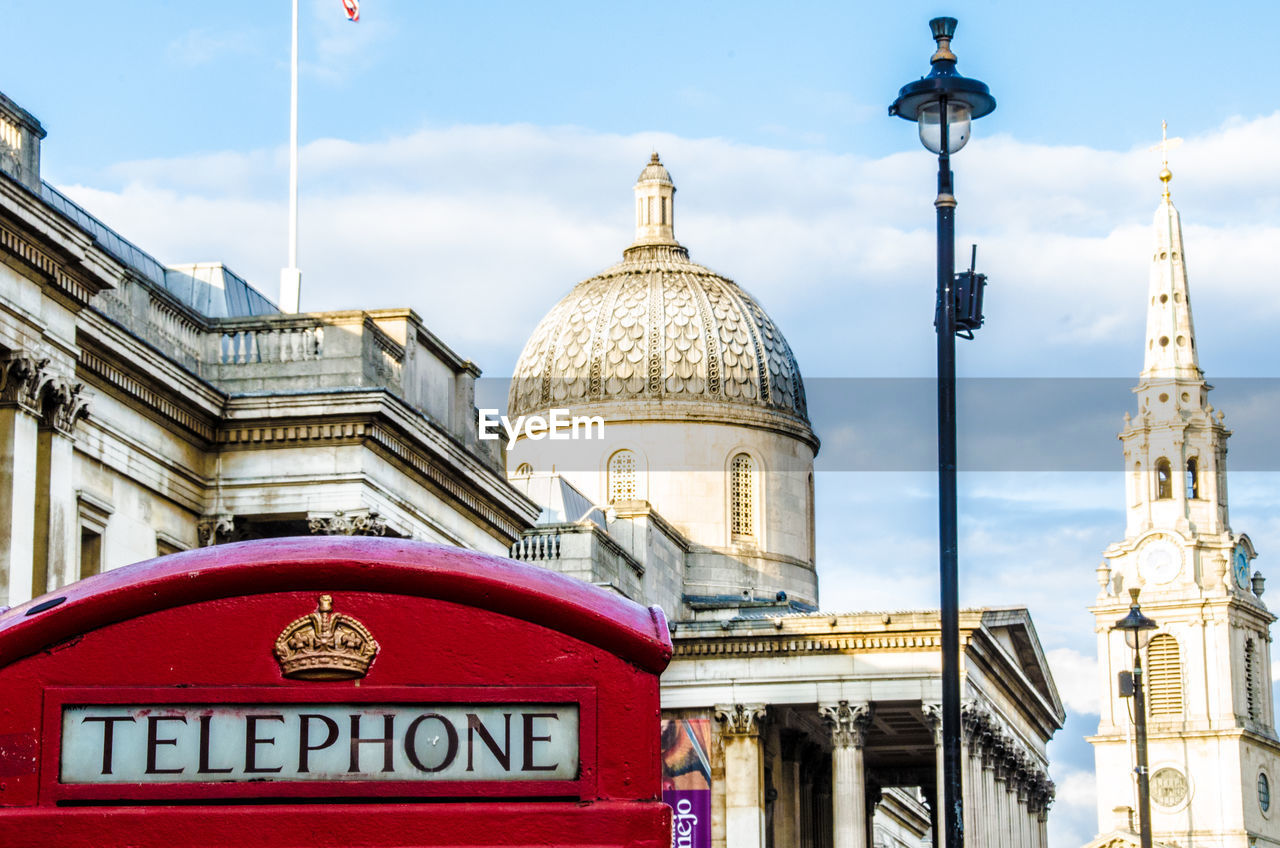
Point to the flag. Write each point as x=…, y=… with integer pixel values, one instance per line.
x=352, y=8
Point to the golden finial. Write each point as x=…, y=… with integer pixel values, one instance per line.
x=1166, y=144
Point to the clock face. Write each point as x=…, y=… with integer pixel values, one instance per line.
x=1241, y=567
x=1160, y=561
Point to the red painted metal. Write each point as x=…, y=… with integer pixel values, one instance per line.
x=453, y=625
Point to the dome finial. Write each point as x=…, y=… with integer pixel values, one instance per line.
x=1166, y=144
x=655, y=204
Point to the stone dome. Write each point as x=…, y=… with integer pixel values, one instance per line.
x=662, y=333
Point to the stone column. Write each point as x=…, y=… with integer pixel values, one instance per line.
x=1022, y=799
x=974, y=722
x=57, y=529
x=1000, y=805
x=22, y=381
x=848, y=723
x=743, y=774
x=990, y=790
x=786, y=816
x=933, y=718
x=1011, y=835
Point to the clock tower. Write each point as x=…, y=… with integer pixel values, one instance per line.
x=1213, y=754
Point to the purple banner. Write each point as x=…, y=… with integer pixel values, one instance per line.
x=686, y=780
x=691, y=817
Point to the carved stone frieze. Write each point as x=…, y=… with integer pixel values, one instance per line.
x=347, y=523
x=848, y=723
x=740, y=719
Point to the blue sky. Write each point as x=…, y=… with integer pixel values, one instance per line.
x=464, y=149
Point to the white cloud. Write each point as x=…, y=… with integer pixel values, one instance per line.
x=837, y=246
x=1073, y=819
x=1076, y=674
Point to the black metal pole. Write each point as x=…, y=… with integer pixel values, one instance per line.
x=1140, y=722
x=952, y=803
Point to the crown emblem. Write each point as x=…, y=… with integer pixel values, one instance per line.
x=325, y=645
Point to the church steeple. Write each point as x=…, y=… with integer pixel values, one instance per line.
x=1171, y=342
x=1177, y=444
x=1212, y=742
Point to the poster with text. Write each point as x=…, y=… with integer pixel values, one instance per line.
x=686, y=780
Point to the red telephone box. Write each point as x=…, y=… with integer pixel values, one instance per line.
x=345, y=692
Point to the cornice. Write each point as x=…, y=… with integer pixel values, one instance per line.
x=375, y=417
x=25, y=250
x=34, y=228
x=128, y=385
x=786, y=645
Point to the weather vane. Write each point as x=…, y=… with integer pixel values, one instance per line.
x=1166, y=144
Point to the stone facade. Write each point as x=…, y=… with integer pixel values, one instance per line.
x=147, y=409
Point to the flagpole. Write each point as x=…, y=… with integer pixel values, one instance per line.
x=291, y=277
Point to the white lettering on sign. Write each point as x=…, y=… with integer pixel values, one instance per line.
x=212, y=743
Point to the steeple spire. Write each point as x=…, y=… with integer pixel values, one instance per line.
x=1171, y=344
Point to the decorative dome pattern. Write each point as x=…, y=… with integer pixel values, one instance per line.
x=657, y=326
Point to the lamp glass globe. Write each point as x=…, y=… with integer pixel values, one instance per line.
x=958, y=123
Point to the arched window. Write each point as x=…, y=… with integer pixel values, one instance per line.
x=1164, y=677
x=622, y=476
x=742, y=493
x=524, y=469
x=1251, y=698
x=813, y=537
x=1193, y=479
x=1164, y=480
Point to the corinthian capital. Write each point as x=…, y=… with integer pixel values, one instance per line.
x=65, y=404
x=215, y=529
x=740, y=719
x=22, y=381
x=848, y=723
x=342, y=523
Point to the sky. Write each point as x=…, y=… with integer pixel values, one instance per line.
x=474, y=161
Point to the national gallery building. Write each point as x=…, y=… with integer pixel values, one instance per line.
x=146, y=409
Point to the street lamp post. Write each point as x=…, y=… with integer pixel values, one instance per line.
x=1137, y=632
x=944, y=104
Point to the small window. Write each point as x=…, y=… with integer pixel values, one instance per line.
x=1164, y=480
x=90, y=552
x=1264, y=792
x=742, y=495
x=664, y=211
x=622, y=476
x=649, y=217
x=1251, y=698
x=524, y=469
x=1193, y=480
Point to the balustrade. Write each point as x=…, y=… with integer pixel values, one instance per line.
x=271, y=344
